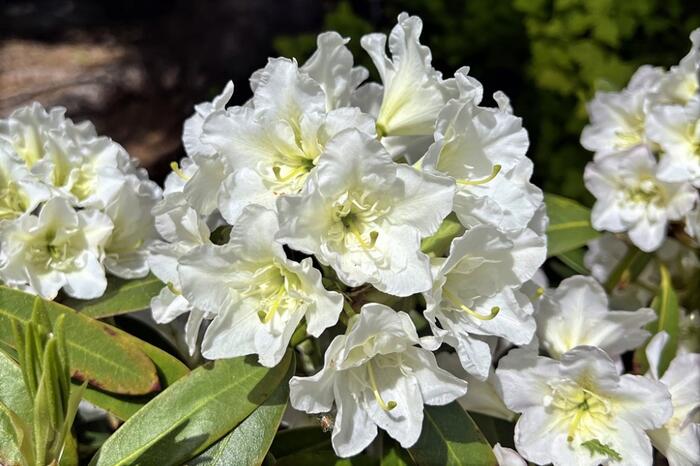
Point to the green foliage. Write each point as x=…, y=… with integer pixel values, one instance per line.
x=187, y=418
x=121, y=297
x=595, y=447
x=668, y=311
x=438, y=245
x=38, y=406
x=450, y=437
x=249, y=442
x=97, y=352
x=569, y=225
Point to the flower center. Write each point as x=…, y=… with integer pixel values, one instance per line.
x=271, y=285
x=356, y=215
x=386, y=406
x=52, y=253
x=13, y=201
x=581, y=409
x=646, y=192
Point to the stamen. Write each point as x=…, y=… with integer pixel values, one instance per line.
x=357, y=234
x=452, y=298
x=178, y=171
x=575, y=422
x=373, y=235
x=266, y=317
x=496, y=170
x=377, y=396
x=172, y=289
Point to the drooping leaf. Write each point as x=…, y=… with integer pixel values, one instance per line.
x=569, y=225
x=193, y=413
x=97, y=353
x=450, y=437
x=249, y=442
x=121, y=297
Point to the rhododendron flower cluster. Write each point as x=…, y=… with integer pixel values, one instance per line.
x=646, y=170
x=376, y=249
x=327, y=192
x=72, y=206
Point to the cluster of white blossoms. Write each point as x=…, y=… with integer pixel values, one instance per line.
x=72, y=205
x=322, y=201
x=646, y=138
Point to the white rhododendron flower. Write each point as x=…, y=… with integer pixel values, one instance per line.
x=631, y=198
x=576, y=313
x=679, y=439
x=578, y=410
x=257, y=295
x=617, y=118
x=365, y=215
x=475, y=293
x=20, y=191
x=59, y=248
x=377, y=375
x=46, y=158
x=414, y=92
x=647, y=165
x=677, y=130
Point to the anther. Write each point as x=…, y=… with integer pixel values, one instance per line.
x=496, y=170
x=178, y=171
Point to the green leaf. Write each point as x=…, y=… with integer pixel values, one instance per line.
x=666, y=306
x=249, y=442
x=169, y=370
x=293, y=441
x=574, y=260
x=324, y=458
x=394, y=455
x=595, y=447
x=121, y=297
x=569, y=225
x=450, y=437
x=439, y=243
x=12, y=436
x=97, y=353
x=13, y=393
x=193, y=413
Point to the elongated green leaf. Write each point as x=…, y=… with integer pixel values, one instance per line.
x=11, y=437
x=121, y=297
x=450, y=437
x=195, y=412
x=293, y=441
x=569, y=225
x=169, y=370
x=574, y=260
x=394, y=455
x=97, y=353
x=13, y=392
x=248, y=443
x=666, y=306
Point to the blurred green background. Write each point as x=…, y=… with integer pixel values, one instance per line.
x=549, y=56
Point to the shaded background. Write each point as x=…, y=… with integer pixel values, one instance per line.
x=136, y=68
